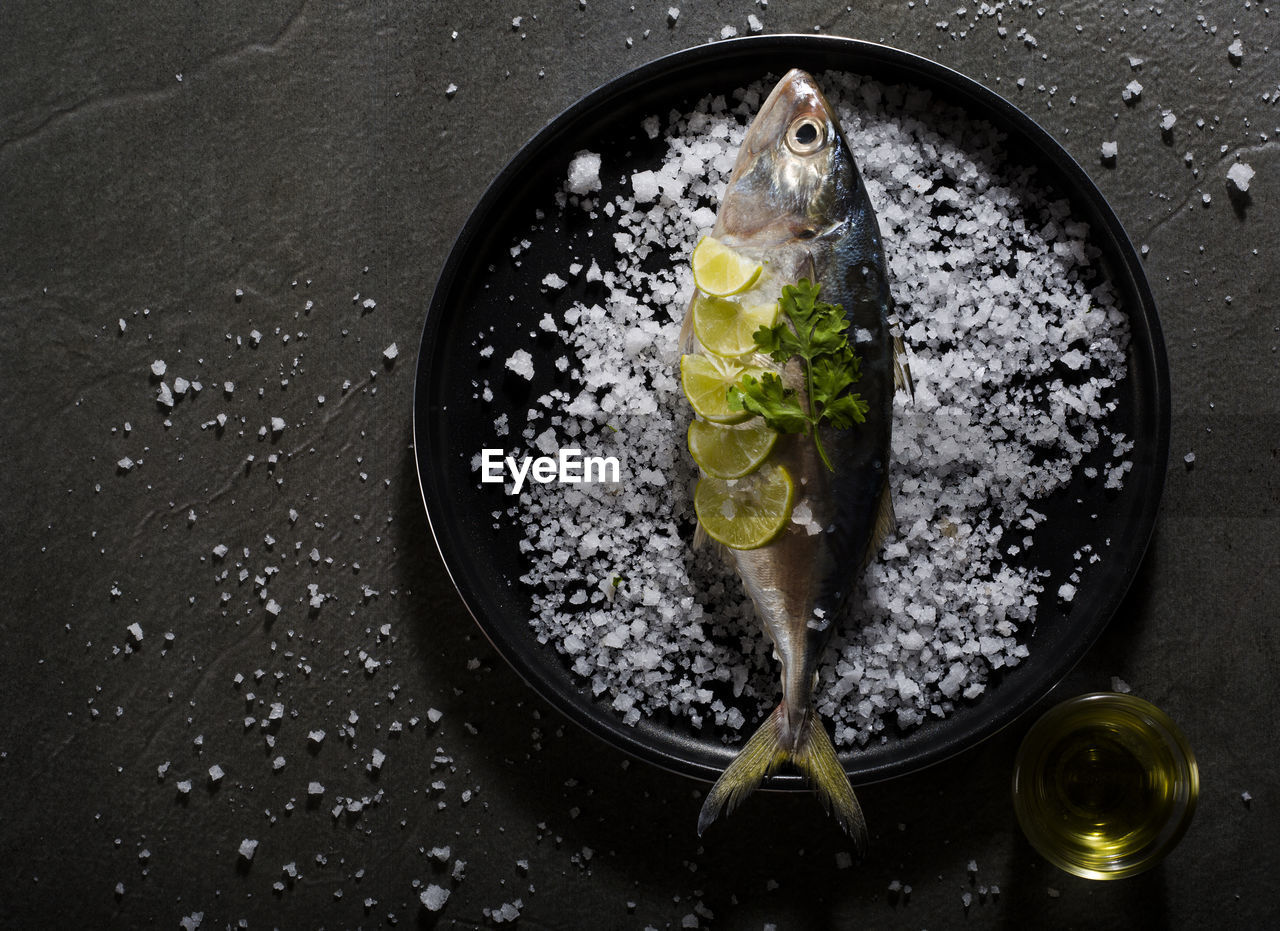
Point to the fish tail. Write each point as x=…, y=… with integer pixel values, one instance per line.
x=812, y=753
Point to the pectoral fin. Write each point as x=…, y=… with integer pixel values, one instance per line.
x=901, y=366
x=885, y=523
x=686, y=330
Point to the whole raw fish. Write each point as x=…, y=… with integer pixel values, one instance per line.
x=795, y=203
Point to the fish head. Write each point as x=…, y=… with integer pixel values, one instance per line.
x=795, y=177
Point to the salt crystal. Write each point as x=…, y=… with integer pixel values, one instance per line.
x=215, y=774
x=451, y=90
x=1239, y=175
x=135, y=631
x=1235, y=51
x=644, y=185
x=391, y=352
x=1109, y=151
x=521, y=363
x=584, y=173
x=158, y=368
x=248, y=848
x=1132, y=91
x=433, y=897
x=673, y=14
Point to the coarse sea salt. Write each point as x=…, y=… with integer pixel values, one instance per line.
x=1017, y=344
x=433, y=897
x=1239, y=175
x=584, y=173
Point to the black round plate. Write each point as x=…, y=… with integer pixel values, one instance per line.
x=451, y=425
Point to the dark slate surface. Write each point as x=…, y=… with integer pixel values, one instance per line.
x=203, y=173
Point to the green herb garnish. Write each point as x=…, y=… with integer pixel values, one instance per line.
x=814, y=331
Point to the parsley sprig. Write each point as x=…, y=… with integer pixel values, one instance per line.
x=814, y=331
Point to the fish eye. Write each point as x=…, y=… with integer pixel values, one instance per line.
x=806, y=135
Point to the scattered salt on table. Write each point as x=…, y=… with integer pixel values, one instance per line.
x=1239, y=175
x=433, y=897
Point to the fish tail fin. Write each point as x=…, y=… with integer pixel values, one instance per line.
x=812, y=753
x=815, y=756
x=762, y=754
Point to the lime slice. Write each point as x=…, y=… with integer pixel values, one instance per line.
x=730, y=452
x=726, y=327
x=720, y=271
x=706, y=380
x=747, y=512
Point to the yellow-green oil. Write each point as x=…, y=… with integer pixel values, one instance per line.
x=1105, y=785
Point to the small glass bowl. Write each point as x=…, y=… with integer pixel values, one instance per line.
x=1104, y=785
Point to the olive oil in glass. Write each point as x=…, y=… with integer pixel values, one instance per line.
x=1104, y=785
